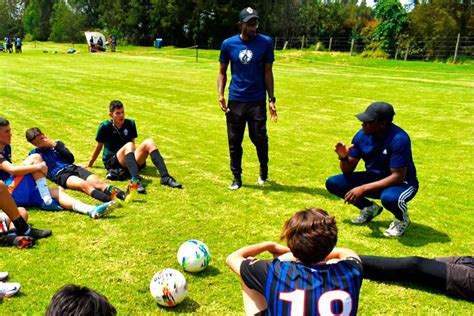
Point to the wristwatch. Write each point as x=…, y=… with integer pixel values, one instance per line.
x=272, y=99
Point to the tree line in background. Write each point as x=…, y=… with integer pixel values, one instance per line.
x=206, y=23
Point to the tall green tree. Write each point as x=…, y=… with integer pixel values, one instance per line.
x=434, y=27
x=66, y=23
x=11, y=14
x=393, y=22
x=112, y=13
x=37, y=17
x=89, y=10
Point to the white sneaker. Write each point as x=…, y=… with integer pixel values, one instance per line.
x=261, y=181
x=367, y=214
x=236, y=184
x=3, y=276
x=9, y=289
x=397, y=228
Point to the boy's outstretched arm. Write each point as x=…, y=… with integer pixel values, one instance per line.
x=95, y=154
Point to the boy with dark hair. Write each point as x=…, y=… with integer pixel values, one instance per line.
x=79, y=301
x=117, y=136
x=309, y=277
x=27, y=183
x=63, y=171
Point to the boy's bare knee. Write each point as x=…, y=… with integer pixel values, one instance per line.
x=36, y=158
x=23, y=213
x=150, y=144
x=129, y=147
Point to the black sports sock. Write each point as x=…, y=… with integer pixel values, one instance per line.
x=132, y=165
x=20, y=225
x=158, y=161
x=99, y=195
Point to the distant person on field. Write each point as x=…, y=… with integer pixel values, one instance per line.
x=451, y=275
x=390, y=172
x=113, y=44
x=18, y=44
x=117, y=137
x=309, y=277
x=251, y=57
x=73, y=300
x=100, y=44
x=92, y=45
x=63, y=171
x=27, y=182
x=8, y=44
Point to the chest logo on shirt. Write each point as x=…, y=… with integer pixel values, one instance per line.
x=245, y=56
x=125, y=132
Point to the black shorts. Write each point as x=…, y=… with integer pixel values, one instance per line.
x=113, y=163
x=460, y=280
x=72, y=170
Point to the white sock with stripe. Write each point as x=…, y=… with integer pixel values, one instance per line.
x=44, y=190
x=82, y=208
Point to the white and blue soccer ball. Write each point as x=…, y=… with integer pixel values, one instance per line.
x=168, y=287
x=194, y=256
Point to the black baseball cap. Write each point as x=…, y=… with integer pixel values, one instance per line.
x=377, y=111
x=248, y=14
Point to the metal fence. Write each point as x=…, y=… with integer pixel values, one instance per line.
x=408, y=49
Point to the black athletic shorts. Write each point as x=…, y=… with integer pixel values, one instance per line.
x=113, y=163
x=72, y=170
x=460, y=280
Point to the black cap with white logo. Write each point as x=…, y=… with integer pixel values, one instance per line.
x=247, y=14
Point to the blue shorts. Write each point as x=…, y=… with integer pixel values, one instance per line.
x=24, y=191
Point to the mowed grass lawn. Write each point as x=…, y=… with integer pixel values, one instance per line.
x=174, y=101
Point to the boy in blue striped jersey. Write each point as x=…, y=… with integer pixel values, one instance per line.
x=309, y=277
x=63, y=171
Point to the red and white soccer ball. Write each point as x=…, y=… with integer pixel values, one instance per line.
x=193, y=255
x=169, y=287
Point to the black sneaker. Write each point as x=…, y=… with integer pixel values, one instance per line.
x=171, y=182
x=121, y=194
x=38, y=233
x=116, y=193
x=236, y=184
x=22, y=242
x=17, y=241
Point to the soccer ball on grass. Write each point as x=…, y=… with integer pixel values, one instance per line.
x=168, y=287
x=194, y=256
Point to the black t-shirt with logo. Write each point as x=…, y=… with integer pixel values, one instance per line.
x=115, y=138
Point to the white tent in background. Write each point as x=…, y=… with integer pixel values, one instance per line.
x=95, y=37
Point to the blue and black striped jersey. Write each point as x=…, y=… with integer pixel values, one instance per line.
x=292, y=288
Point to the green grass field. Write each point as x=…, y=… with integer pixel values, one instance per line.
x=174, y=101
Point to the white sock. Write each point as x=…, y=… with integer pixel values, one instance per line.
x=44, y=190
x=83, y=208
